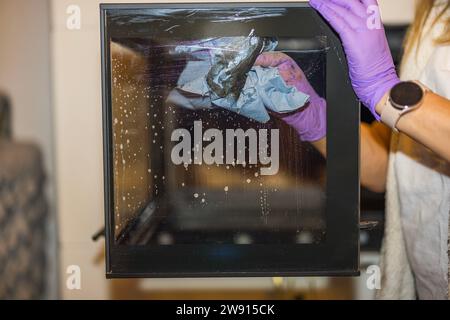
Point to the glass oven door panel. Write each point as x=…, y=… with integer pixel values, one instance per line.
x=193, y=169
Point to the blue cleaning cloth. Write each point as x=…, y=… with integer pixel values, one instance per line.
x=264, y=87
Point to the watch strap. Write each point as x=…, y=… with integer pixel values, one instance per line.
x=390, y=115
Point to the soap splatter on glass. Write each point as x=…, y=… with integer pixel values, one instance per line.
x=229, y=200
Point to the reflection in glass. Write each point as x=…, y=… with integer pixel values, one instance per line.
x=209, y=174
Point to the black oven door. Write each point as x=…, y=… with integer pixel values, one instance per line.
x=202, y=182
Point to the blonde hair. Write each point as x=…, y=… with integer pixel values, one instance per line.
x=423, y=11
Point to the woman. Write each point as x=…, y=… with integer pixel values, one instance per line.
x=412, y=161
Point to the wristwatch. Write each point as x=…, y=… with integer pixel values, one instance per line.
x=404, y=97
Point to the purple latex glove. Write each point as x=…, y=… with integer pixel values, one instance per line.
x=372, y=70
x=309, y=121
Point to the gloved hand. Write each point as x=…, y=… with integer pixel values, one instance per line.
x=372, y=70
x=309, y=121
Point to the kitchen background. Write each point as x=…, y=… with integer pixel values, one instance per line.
x=50, y=79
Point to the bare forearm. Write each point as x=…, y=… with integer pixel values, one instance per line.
x=321, y=146
x=374, y=156
x=429, y=124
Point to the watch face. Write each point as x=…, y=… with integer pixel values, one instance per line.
x=406, y=94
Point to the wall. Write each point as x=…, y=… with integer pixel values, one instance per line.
x=25, y=69
x=398, y=11
x=78, y=137
x=25, y=78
